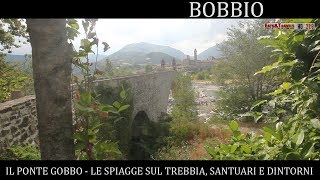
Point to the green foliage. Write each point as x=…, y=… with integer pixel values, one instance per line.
x=184, y=125
x=178, y=152
x=26, y=152
x=184, y=98
x=184, y=111
x=231, y=101
x=148, y=68
x=123, y=71
x=296, y=133
x=183, y=130
x=158, y=132
x=184, y=143
x=10, y=29
x=153, y=136
x=167, y=141
x=113, y=71
x=117, y=128
x=86, y=45
x=243, y=56
x=72, y=29
x=202, y=75
x=287, y=141
x=14, y=77
x=91, y=116
x=109, y=69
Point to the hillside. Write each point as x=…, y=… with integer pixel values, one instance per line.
x=15, y=58
x=156, y=57
x=144, y=52
x=128, y=57
x=209, y=53
x=21, y=58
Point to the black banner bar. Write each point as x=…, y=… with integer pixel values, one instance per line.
x=159, y=168
x=162, y=9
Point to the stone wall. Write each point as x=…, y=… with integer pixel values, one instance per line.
x=18, y=122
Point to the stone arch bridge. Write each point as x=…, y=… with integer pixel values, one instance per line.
x=150, y=92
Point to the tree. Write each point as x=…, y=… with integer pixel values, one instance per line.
x=244, y=55
x=52, y=74
x=148, y=68
x=294, y=106
x=14, y=77
x=9, y=30
x=184, y=97
x=109, y=68
x=11, y=76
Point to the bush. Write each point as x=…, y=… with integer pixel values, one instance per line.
x=182, y=130
x=285, y=142
x=232, y=101
x=202, y=75
x=26, y=152
x=116, y=129
x=295, y=135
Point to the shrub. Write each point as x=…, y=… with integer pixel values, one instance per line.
x=26, y=152
x=295, y=135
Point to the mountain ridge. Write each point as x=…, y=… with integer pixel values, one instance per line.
x=210, y=53
x=140, y=53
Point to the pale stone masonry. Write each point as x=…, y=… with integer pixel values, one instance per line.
x=150, y=92
x=18, y=122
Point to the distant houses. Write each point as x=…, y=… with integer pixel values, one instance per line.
x=190, y=64
x=196, y=64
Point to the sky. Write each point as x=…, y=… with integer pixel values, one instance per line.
x=182, y=34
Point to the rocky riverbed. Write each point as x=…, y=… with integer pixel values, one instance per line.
x=205, y=98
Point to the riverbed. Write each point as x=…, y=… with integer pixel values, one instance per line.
x=206, y=94
x=205, y=99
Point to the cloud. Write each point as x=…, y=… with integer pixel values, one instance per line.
x=183, y=34
x=201, y=44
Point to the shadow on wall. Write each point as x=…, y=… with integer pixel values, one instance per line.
x=138, y=145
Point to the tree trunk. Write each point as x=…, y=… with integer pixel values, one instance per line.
x=51, y=63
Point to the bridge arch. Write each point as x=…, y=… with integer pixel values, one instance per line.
x=138, y=142
x=149, y=95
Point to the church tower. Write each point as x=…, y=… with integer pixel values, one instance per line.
x=195, y=55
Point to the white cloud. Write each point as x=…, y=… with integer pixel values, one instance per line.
x=183, y=34
x=200, y=43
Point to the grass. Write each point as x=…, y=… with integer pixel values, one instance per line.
x=214, y=132
x=193, y=149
